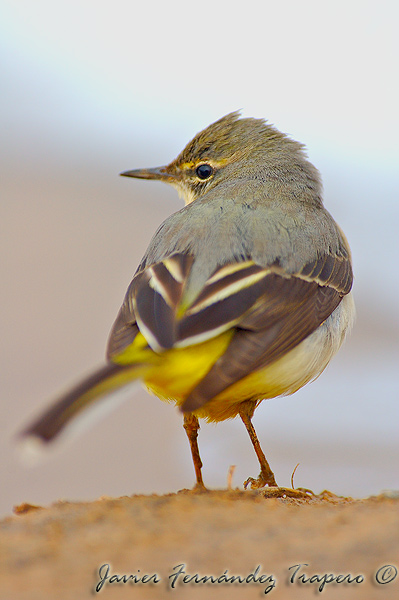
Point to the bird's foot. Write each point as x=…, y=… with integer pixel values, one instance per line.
x=283, y=492
x=266, y=478
x=200, y=488
x=272, y=490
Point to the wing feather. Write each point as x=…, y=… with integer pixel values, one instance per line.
x=271, y=311
x=270, y=335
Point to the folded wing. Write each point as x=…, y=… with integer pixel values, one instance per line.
x=270, y=310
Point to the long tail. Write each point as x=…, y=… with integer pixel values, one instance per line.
x=107, y=379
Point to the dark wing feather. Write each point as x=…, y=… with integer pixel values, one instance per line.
x=271, y=311
x=151, y=304
x=122, y=333
x=331, y=270
x=285, y=315
x=223, y=312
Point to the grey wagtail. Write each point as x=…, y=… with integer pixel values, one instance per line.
x=242, y=295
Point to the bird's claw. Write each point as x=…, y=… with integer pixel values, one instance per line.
x=261, y=481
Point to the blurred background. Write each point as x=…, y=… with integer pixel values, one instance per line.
x=90, y=89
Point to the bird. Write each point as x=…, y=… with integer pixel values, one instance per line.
x=243, y=295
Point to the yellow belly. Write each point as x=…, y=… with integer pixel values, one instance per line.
x=173, y=374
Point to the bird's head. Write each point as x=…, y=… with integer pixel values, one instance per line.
x=232, y=147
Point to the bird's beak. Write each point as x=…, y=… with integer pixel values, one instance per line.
x=160, y=173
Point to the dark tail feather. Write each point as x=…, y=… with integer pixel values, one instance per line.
x=103, y=381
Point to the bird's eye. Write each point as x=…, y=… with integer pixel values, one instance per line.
x=204, y=171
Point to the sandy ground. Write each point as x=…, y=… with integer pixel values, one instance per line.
x=57, y=552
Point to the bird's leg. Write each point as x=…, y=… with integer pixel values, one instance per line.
x=191, y=425
x=266, y=475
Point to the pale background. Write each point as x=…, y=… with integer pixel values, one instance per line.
x=89, y=89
